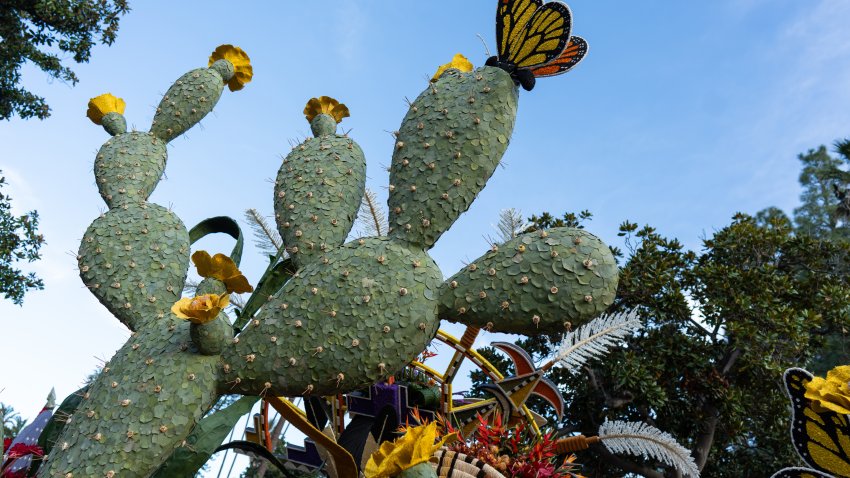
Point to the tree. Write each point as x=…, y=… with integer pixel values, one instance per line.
x=824, y=212
x=12, y=424
x=19, y=240
x=821, y=212
x=41, y=31
x=719, y=329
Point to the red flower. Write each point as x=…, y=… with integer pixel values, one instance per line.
x=21, y=449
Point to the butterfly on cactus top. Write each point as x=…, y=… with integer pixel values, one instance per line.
x=533, y=40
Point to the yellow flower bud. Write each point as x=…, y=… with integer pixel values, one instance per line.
x=459, y=62
x=99, y=106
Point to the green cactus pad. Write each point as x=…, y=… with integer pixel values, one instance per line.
x=188, y=100
x=140, y=408
x=534, y=284
x=128, y=167
x=210, y=338
x=370, y=305
x=134, y=259
x=449, y=144
x=114, y=123
x=317, y=194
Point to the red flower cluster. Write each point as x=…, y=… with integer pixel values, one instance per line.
x=514, y=450
x=22, y=449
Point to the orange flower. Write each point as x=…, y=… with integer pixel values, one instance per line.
x=243, y=72
x=325, y=105
x=200, y=309
x=222, y=268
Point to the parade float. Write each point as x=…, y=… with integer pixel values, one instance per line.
x=343, y=325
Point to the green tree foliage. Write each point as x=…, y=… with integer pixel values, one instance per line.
x=43, y=32
x=821, y=211
x=12, y=422
x=824, y=212
x=720, y=327
x=19, y=241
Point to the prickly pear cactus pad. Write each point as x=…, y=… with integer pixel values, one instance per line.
x=358, y=314
x=133, y=259
x=319, y=185
x=534, y=284
x=448, y=146
x=195, y=93
x=128, y=167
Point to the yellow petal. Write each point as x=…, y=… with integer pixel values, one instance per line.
x=238, y=284
x=839, y=375
x=179, y=306
x=203, y=262
x=339, y=112
x=459, y=62
x=325, y=105
x=243, y=72
x=99, y=106
x=223, y=267
x=200, y=309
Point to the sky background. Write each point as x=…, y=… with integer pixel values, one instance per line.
x=682, y=114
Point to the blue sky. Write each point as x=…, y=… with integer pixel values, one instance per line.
x=682, y=114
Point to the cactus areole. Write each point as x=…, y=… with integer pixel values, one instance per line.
x=351, y=315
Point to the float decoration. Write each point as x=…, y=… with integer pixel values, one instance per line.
x=327, y=318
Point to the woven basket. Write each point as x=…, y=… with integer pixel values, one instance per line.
x=457, y=465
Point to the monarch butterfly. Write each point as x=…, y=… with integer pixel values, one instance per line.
x=822, y=439
x=533, y=40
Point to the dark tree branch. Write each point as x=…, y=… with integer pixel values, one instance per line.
x=709, y=426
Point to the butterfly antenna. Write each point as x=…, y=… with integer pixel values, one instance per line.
x=484, y=42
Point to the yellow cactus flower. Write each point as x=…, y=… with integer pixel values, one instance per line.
x=459, y=62
x=222, y=268
x=326, y=105
x=243, y=71
x=99, y=106
x=832, y=393
x=414, y=447
x=200, y=309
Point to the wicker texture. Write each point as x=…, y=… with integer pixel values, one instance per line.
x=451, y=464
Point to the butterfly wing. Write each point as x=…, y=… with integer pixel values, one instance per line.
x=575, y=52
x=511, y=18
x=822, y=439
x=799, y=473
x=532, y=39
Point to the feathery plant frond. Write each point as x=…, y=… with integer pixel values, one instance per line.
x=266, y=237
x=593, y=339
x=371, y=217
x=640, y=439
x=510, y=224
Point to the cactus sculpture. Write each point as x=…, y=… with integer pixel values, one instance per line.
x=352, y=314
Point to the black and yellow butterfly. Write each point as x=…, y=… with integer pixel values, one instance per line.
x=822, y=439
x=533, y=40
